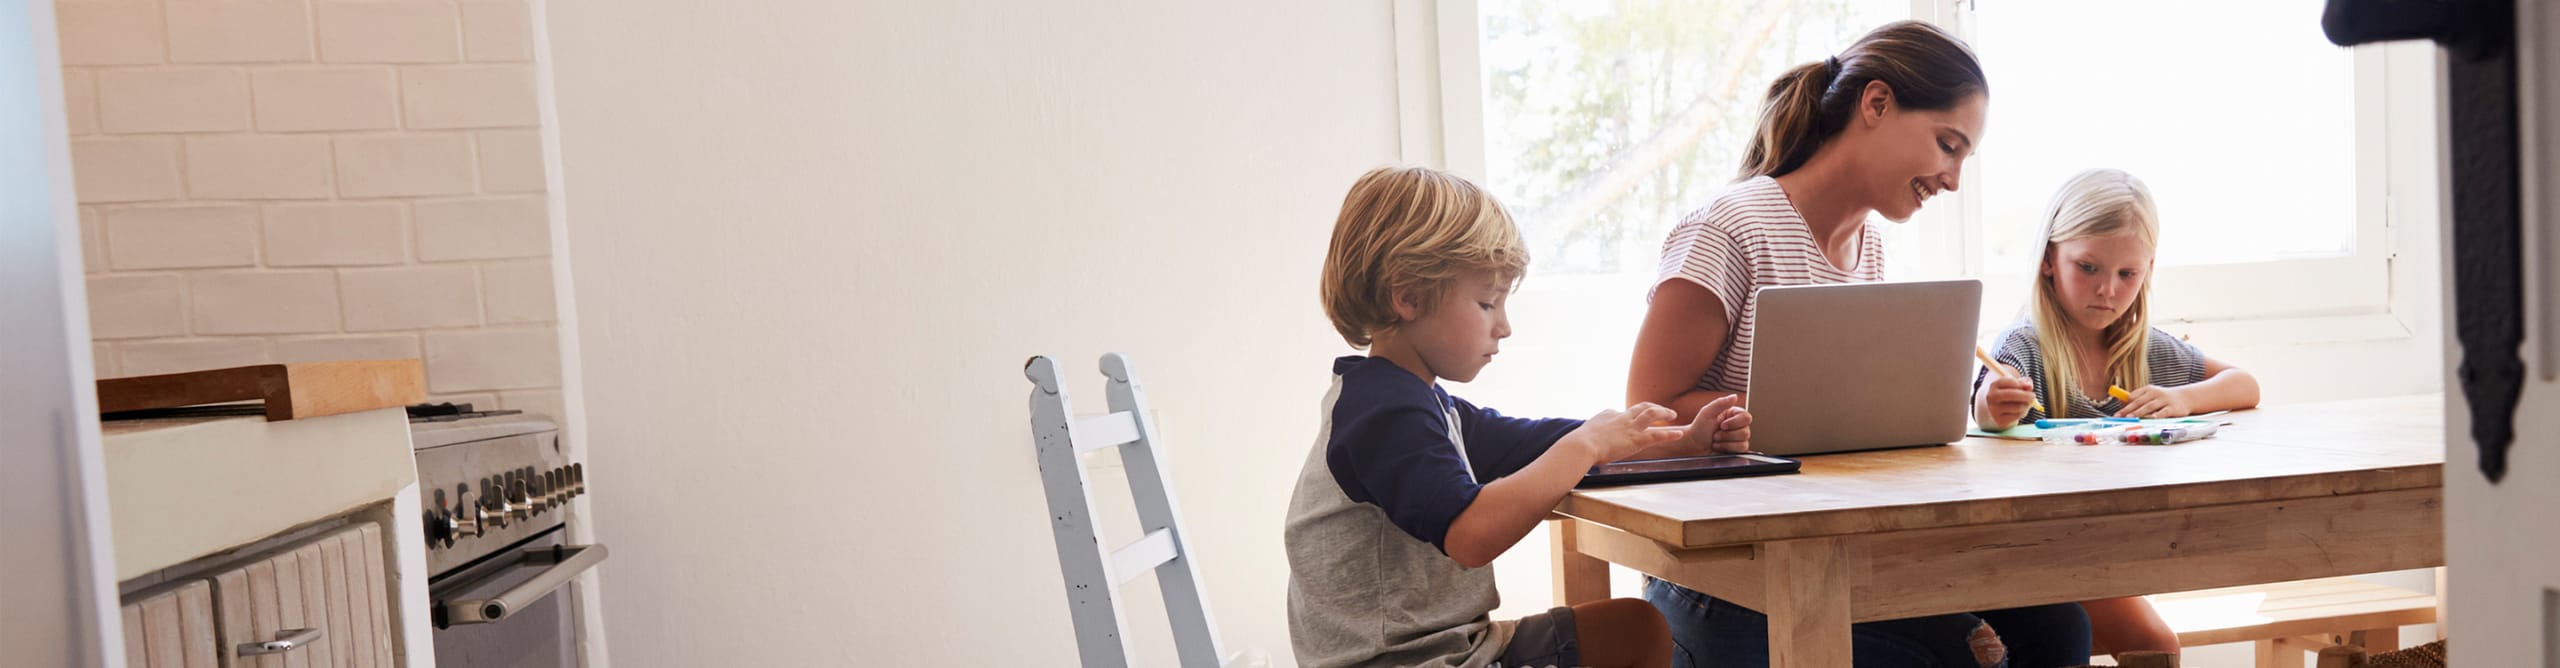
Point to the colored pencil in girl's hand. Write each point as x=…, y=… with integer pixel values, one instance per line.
x=2003, y=370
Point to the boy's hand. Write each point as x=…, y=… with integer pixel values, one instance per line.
x=2153, y=401
x=1723, y=425
x=2004, y=398
x=1615, y=435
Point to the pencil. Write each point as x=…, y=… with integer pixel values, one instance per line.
x=2003, y=370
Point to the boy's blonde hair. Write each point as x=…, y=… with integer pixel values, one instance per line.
x=1412, y=229
x=2096, y=203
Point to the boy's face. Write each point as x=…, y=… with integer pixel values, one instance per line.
x=2097, y=278
x=1463, y=330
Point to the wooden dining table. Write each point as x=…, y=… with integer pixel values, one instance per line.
x=2281, y=493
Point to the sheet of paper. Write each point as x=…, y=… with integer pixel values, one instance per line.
x=2027, y=431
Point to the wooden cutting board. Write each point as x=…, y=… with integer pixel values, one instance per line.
x=289, y=391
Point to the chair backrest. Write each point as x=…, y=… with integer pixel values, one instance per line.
x=1095, y=572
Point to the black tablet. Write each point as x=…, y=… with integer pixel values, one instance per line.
x=1687, y=468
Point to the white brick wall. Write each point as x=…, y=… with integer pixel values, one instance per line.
x=310, y=180
x=258, y=167
x=137, y=169
x=468, y=96
x=195, y=99
x=182, y=237
x=404, y=165
x=390, y=32
x=264, y=31
x=328, y=98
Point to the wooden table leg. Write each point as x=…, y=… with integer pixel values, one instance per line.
x=2441, y=602
x=1580, y=578
x=1808, y=600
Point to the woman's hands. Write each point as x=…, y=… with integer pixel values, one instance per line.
x=1726, y=424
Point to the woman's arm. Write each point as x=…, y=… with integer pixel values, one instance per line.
x=1673, y=349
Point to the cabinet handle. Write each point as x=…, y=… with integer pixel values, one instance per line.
x=286, y=641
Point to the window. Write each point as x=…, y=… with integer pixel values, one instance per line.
x=1605, y=122
x=2270, y=151
x=2263, y=145
x=2296, y=180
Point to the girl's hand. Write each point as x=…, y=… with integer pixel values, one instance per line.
x=2153, y=401
x=2004, y=399
x=1615, y=435
x=1724, y=425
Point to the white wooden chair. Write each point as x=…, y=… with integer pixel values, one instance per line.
x=1095, y=572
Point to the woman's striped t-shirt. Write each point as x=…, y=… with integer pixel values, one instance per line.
x=1749, y=237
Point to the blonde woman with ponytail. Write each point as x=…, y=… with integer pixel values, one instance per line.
x=1874, y=131
x=2088, y=329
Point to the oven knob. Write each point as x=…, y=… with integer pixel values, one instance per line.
x=495, y=509
x=577, y=479
x=537, y=499
x=439, y=529
x=518, y=505
x=464, y=520
x=559, y=484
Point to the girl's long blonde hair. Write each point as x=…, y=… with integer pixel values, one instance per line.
x=2096, y=203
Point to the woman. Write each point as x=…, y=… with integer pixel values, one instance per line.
x=1879, y=129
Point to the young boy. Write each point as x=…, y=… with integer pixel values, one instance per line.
x=1409, y=492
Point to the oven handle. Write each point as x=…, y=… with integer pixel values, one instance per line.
x=565, y=561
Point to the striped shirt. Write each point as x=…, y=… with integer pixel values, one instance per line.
x=1750, y=237
x=2171, y=363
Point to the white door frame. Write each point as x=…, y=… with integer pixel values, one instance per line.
x=2503, y=587
x=53, y=509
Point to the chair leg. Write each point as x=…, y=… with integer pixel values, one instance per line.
x=2280, y=653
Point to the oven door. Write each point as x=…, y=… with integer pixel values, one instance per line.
x=512, y=611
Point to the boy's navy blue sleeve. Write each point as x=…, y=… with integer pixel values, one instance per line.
x=1397, y=456
x=1500, y=445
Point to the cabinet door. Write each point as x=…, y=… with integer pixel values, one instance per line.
x=172, y=629
x=334, y=584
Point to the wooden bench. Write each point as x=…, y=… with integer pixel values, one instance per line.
x=2288, y=619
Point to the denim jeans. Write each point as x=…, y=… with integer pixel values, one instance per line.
x=1707, y=632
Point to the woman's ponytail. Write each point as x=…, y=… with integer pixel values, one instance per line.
x=1791, y=122
x=1927, y=69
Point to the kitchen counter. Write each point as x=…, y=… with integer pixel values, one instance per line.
x=182, y=488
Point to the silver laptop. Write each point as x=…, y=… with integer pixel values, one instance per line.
x=1862, y=366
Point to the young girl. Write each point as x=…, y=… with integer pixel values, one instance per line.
x=2089, y=329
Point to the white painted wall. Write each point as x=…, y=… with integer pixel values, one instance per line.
x=815, y=241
